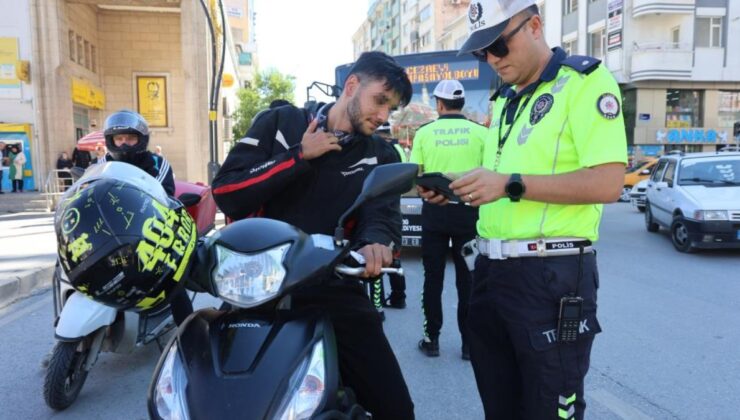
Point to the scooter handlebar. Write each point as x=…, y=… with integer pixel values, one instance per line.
x=357, y=271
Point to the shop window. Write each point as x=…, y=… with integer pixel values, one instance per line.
x=709, y=32
x=729, y=108
x=684, y=108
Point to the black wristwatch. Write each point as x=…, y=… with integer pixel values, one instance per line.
x=515, y=188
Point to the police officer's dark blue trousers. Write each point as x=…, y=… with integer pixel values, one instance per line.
x=522, y=371
x=441, y=225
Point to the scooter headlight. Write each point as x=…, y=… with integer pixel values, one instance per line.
x=247, y=280
x=169, y=393
x=306, y=387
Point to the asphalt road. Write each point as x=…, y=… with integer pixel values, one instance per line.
x=668, y=350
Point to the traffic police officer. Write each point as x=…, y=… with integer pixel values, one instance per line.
x=451, y=144
x=556, y=150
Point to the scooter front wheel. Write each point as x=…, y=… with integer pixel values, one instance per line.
x=65, y=374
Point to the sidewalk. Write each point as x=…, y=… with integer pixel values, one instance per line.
x=27, y=245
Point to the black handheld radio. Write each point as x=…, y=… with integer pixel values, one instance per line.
x=571, y=310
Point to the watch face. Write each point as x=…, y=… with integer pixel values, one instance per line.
x=515, y=188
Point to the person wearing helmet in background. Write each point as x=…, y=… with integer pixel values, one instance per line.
x=397, y=297
x=451, y=144
x=127, y=138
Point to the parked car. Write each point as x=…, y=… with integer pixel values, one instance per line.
x=411, y=214
x=637, y=172
x=637, y=195
x=697, y=197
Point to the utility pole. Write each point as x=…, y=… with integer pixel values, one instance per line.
x=212, y=11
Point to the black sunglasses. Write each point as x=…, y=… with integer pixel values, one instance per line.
x=499, y=48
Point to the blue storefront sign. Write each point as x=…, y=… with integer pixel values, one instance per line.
x=692, y=136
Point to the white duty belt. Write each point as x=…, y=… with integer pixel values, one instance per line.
x=499, y=249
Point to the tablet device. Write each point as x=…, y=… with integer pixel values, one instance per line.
x=437, y=182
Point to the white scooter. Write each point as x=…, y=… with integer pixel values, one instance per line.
x=84, y=328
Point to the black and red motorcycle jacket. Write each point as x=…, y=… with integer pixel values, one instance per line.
x=265, y=175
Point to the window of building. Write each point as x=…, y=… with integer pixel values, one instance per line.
x=425, y=40
x=629, y=111
x=425, y=13
x=676, y=36
x=729, y=108
x=709, y=32
x=597, y=42
x=93, y=59
x=80, y=51
x=684, y=108
x=570, y=47
x=569, y=6
x=72, y=46
x=87, y=54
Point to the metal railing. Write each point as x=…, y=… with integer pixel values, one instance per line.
x=55, y=185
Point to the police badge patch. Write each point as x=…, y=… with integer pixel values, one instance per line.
x=608, y=106
x=541, y=107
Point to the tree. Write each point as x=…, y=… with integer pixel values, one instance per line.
x=266, y=87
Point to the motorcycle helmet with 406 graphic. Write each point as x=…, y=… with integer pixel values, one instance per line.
x=122, y=246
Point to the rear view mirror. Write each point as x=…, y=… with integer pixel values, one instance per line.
x=390, y=179
x=189, y=199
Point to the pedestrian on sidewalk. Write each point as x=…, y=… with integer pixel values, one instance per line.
x=18, y=160
x=81, y=158
x=64, y=164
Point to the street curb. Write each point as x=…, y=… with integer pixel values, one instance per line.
x=25, y=285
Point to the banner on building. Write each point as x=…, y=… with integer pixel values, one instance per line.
x=151, y=99
x=85, y=93
x=614, y=23
x=10, y=85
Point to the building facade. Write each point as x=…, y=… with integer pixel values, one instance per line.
x=677, y=62
x=89, y=58
x=412, y=26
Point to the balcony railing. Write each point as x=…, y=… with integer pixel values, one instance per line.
x=646, y=7
x=661, y=61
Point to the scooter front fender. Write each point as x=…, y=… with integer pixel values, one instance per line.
x=81, y=316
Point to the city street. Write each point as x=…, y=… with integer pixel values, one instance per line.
x=669, y=349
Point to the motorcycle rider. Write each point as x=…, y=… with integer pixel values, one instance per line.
x=306, y=170
x=127, y=138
